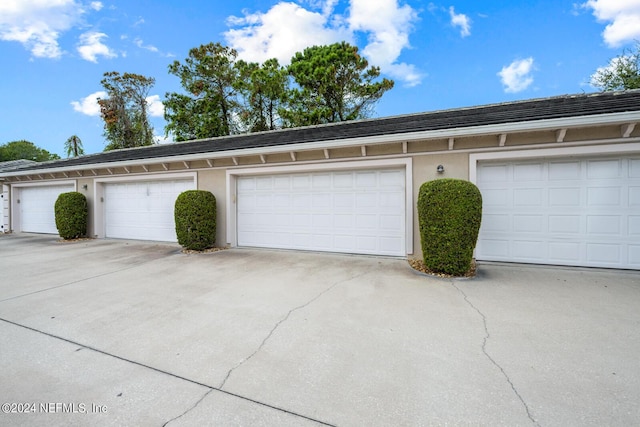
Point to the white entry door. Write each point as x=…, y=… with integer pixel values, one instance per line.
x=143, y=210
x=342, y=211
x=581, y=212
x=36, y=206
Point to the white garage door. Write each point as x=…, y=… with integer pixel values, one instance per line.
x=143, y=210
x=352, y=211
x=37, y=204
x=581, y=212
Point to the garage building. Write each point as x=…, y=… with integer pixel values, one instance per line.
x=560, y=179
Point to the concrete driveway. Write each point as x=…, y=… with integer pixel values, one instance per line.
x=110, y=332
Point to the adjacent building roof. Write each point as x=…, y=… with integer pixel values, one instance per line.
x=15, y=164
x=560, y=107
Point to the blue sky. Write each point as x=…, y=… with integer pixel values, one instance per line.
x=441, y=55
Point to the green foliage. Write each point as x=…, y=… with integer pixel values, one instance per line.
x=73, y=146
x=449, y=213
x=124, y=111
x=334, y=84
x=622, y=73
x=71, y=213
x=210, y=78
x=262, y=89
x=17, y=150
x=195, y=216
x=224, y=95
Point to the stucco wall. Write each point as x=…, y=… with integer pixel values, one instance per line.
x=214, y=181
x=88, y=193
x=456, y=165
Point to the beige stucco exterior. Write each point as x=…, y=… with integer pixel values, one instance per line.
x=455, y=153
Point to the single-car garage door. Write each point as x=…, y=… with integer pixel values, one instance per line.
x=344, y=211
x=142, y=210
x=581, y=212
x=37, y=206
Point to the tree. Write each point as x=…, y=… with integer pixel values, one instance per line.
x=263, y=89
x=622, y=73
x=210, y=78
x=73, y=146
x=334, y=84
x=125, y=115
x=22, y=149
x=225, y=95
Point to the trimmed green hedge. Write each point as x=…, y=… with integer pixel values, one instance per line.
x=449, y=213
x=71, y=212
x=195, y=216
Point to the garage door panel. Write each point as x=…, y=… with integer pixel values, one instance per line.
x=564, y=252
x=603, y=169
x=527, y=172
x=37, y=207
x=342, y=211
x=571, y=212
x=603, y=253
x=562, y=171
x=143, y=210
x=603, y=224
x=565, y=224
x=529, y=249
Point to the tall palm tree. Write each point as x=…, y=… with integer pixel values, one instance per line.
x=73, y=146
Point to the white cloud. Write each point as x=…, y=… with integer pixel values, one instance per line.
x=91, y=46
x=388, y=27
x=516, y=77
x=155, y=107
x=89, y=104
x=37, y=24
x=162, y=139
x=96, y=5
x=148, y=47
x=265, y=35
x=623, y=17
x=288, y=28
x=460, y=20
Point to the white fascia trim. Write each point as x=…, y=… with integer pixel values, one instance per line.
x=575, y=151
x=504, y=128
x=404, y=162
x=50, y=183
x=148, y=177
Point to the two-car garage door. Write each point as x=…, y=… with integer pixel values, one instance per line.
x=568, y=211
x=349, y=211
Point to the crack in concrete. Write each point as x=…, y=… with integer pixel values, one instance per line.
x=271, y=332
x=195, y=405
x=491, y=359
x=167, y=373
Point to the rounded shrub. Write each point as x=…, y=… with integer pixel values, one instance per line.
x=195, y=216
x=449, y=213
x=71, y=213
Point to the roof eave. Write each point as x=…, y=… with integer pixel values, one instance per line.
x=460, y=132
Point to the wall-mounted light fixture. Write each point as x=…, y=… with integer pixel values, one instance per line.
x=84, y=186
x=440, y=169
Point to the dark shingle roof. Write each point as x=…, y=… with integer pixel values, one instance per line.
x=15, y=164
x=521, y=111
